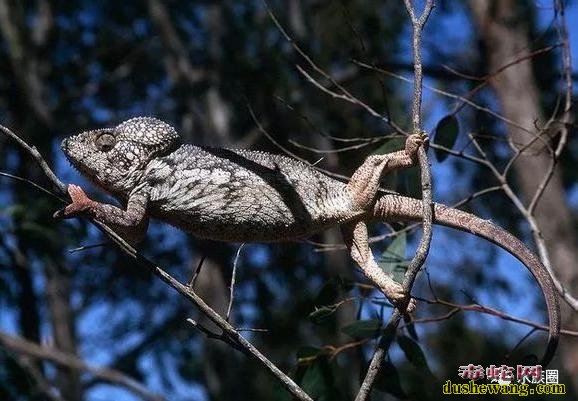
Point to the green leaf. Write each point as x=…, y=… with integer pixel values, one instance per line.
x=392, y=260
x=328, y=292
x=40, y=233
x=446, y=133
x=346, y=284
x=317, y=381
x=363, y=328
x=391, y=145
x=322, y=314
x=308, y=353
x=414, y=354
x=323, y=380
x=410, y=326
x=412, y=179
x=313, y=381
x=17, y=211
x=387, y=381
x=394, y=144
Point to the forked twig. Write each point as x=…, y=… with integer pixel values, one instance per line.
x=424, y=244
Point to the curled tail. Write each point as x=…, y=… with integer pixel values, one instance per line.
x=396, y=208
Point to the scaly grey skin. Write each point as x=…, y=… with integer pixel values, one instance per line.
x=250, y=196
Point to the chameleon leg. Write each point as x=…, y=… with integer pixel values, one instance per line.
x=365, y=180
x=356, y=239
x=131, y=224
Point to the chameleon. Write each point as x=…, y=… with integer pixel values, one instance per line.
x=238, y=195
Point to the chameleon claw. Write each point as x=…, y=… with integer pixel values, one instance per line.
x=411, y=305
x=399, y=297
x=80, y=203
x=414, y=141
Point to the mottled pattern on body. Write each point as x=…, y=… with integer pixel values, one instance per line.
x=241, y=195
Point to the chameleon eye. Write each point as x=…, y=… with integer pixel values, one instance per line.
x=105, y=142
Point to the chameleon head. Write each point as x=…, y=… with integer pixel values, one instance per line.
x=115, y=158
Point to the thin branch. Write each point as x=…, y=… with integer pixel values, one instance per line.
x=232, y=286
x=345, y=94
x=338, y=150
x=86, y=247
x=378, y=356
x=33, y=184
x=487, y=78
x=521, y=149
x=217, y=336
x=524, y=338
x=211, y=314
x=436, y=319
x=32, y=151
x=451, y=96
x=195, y=276
x=26, y=363
x=270, y=137
x=417, y=25
x=427, y=204
x=334, y=350
x=22, y=346
x=488, y=311
x=534, y=227
x=567, y=62
x=566, y=115
x=253, y=329
x=544, y=254
x=319, y=130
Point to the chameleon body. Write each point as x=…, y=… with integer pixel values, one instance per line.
x=252, y=196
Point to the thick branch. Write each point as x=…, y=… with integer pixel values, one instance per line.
x=22, y=346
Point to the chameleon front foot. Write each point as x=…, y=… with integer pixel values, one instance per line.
x=364, y=183
x=80, y=203
x=397, y=296
x=414, y=141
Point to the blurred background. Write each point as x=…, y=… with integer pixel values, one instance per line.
x=68, y=66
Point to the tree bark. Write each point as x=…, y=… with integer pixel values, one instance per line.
x=63, y=330
x=506, y=38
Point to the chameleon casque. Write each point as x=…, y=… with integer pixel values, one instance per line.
x=251, y=196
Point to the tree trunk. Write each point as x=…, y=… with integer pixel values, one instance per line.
x=505, y=36
x=63, y=331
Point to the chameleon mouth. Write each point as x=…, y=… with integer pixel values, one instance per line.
x=79, y=167
x=76, y=166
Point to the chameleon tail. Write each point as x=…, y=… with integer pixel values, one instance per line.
x=396, y=208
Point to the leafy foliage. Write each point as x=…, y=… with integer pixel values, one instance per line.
x=446, y=134
x=393, y=260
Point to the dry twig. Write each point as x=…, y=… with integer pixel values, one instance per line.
x=423, y=247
